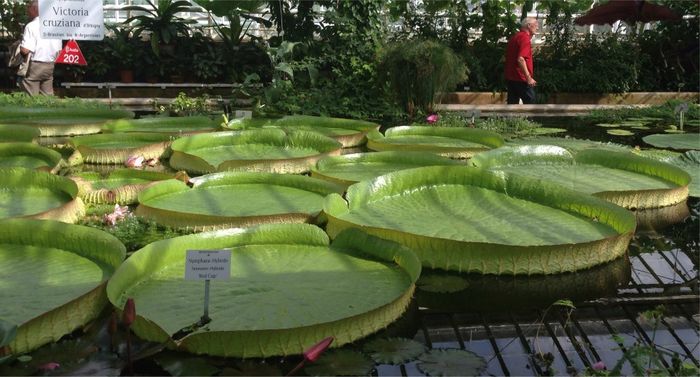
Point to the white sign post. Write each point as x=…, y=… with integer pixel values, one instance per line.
x=72, y=19
x=207, y=265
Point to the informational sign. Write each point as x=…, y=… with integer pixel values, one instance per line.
x=71, y=54
x=71, y=19
x=208, y=265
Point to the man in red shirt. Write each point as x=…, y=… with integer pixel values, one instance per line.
x=518, y=69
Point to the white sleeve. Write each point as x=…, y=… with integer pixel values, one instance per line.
x=29, y=39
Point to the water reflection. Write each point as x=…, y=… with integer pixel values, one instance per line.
x=491, y=293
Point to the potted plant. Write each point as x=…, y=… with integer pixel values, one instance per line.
x=161, y=22
x=125, y=51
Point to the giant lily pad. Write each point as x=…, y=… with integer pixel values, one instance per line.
x=235, y=199
x=117, y=148
x=288, y=289
x=352, y=168
x=117, y=187
x=349, y=132
x=34, y=113
x=472, y=220
x=690, y=162
x=265, y=150
x=28, y=155
x=62, y=121
x=18, y=132
x=448, y=141
x=39, y=195
x=689, y=141
x=571, y=144
x=52, y=277
x=169, y=125
x=623, y=178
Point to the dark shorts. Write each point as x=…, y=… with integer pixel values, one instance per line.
x=518, y=90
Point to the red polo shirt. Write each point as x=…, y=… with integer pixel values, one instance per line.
x=518, y=45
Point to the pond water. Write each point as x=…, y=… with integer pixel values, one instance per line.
x=567, y=319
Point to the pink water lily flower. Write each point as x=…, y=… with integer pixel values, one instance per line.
x=599, y=366
x=120, y=212
x=134, y=161
x=49, y=366
x=312, y=354
x=432, y=118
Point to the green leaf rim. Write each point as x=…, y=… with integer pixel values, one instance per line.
x=263, y=343
x=210, y=222
x=489, y=140
x=490, y=258
x=182, y=160
x=93, y=244
x=157, y=147
x=51, y=158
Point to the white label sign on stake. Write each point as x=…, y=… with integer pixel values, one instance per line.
x=71, y=19
x=208, y=265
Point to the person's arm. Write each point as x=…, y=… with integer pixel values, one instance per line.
x=24, y=51
x=523, y=67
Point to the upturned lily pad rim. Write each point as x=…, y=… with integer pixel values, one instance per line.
x=487, y=139
x=51, y=157
x=22, y=113
x=146, y=261
x=271, y=136
x=22, y=177
x=88, y=141
x=188, y=125
x=208, y=222
x=491, y=258
x=544, y=154
x=93, y=244
x=324, y=167
x=18, y=132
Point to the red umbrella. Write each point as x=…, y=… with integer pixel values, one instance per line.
x=627, y=10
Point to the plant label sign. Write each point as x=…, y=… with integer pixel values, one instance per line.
x=208, y=265
x=72, y=19
x=71, y=54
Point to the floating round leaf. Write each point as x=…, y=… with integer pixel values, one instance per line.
x=608, y=125
x=451, y=362
x=689, y=141
x=673, y=131
x=230, y=199
x=28, y=155
x=448, y=141
x=349, y=132
x=117, y=187
x=467, y=219
x=644, y=128
x=168, y=125
x=548, y=130
x=394, y=350
x=688, y=161
x=53, y=281
x=18, y=132
x=288, y=289
x=352, y=168
x=117, y=148
x=623, y=178
x=571, y=144
x=619, y=132
x=264, y=150
x=62, y=121
x=39, y=195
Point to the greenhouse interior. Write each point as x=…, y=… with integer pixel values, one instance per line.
x=459, y=187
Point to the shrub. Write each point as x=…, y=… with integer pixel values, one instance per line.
x=418, y=70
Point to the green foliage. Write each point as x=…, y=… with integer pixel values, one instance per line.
x=134, y=232
x=511, y=127
x=123, y=48
x=418, y=70
x=161, y=21
x=184, y=105
x=24, y=100
x=12, y=16
x=666, y=112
